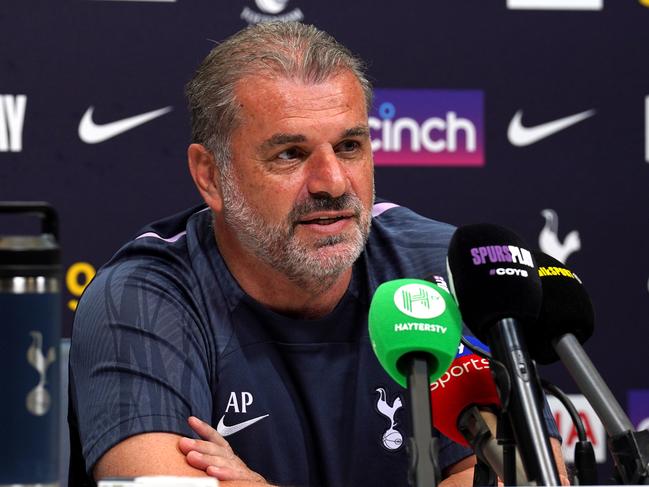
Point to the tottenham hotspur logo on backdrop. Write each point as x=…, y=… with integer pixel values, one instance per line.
x=269, y=11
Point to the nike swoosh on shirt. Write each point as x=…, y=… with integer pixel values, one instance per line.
x=224, y=430
x=93, y=133
x=521, y=136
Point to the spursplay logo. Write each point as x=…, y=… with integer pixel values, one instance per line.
x=419, y=301
x=492, y=254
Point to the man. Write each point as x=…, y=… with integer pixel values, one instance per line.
x=251, y=313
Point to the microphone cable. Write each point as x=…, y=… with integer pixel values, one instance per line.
x=585, y=463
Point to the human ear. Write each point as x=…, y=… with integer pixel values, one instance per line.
x=205, y=172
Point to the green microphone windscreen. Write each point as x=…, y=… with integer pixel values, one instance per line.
x=412, y=316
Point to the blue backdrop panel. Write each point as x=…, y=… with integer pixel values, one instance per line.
x=559, y=107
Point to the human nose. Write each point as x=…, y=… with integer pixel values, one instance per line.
x=327, y=175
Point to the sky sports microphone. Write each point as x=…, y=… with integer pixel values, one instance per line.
x=415, y=328
x=495, y=281
x=466, y=403
x=566, y=321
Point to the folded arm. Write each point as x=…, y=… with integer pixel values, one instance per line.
x=160, y=454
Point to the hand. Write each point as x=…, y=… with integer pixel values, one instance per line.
x=214, y=455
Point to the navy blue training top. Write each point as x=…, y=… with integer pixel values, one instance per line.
x=164, y=332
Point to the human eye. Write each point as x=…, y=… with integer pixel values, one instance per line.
x=348, y=147
x=289, y=154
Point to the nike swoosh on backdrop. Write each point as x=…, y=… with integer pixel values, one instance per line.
x=93, y=133
x=224, y=430
x=521, y=136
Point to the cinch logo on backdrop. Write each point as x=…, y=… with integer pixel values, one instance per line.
x=12, y=119
x=593, y=426
x=271, y=10
x=638, y=407
x=427, y=127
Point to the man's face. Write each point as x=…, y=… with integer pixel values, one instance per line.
x=300, y=188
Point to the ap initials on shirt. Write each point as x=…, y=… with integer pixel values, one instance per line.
x=239, y=405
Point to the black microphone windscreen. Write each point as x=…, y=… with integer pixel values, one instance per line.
x=566, y=308
x=493, y=276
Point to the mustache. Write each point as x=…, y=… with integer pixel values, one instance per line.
x=312, y=204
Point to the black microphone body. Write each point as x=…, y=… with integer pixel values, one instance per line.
x=522, y=395
x=497, y=286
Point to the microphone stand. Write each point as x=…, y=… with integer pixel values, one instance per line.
x=422, y=446
x=522, y=402
x=506, y=439
x=483, y=475
x=629, y=448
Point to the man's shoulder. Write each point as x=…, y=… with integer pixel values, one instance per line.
x=163, y=244
x=403, y=243
x=173, y=228
x=163, y=259
x=395, y=223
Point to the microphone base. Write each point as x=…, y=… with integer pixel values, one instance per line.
x=483, y=475
x=630, y=451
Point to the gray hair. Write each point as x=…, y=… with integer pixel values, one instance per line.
x=287, y=49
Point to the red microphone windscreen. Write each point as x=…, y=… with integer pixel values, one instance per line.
x=467, y=382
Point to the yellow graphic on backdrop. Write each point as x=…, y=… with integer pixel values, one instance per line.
x=77, y=278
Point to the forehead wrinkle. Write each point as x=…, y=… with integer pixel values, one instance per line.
x=308, y=112
x=335, y=102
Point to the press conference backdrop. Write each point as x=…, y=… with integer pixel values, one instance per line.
x=533, y=114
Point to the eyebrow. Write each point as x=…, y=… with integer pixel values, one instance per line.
x=283, y=138
x=358, y=131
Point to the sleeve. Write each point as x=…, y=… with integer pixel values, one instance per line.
x=553, y=430
x=139, y=359
x=450, y=452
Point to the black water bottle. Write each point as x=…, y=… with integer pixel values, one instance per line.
x=30, y=335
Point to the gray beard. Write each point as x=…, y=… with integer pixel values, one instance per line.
x=276, y=244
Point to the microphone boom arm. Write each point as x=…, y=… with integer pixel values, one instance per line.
x=629, y=448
